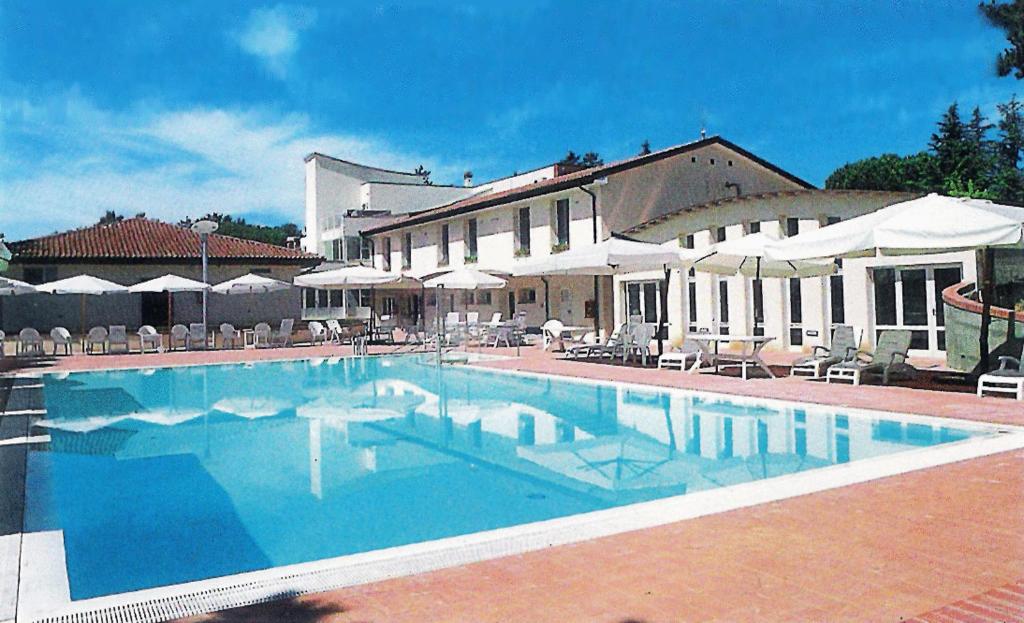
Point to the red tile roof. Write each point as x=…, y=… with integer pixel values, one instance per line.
x=142, y=239
x=571, y=180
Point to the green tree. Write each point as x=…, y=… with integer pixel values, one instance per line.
x=109, y=218
x=570, y=159
x=645, y=148
x=239, y=228
x=424, y=173
x=1008, y=17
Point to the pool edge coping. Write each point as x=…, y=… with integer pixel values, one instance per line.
x=248, y=588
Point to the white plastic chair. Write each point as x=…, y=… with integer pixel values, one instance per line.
x=149, y=337
x=230, y=337
x=196, y=336
x=61, y=338
x=640, y=345
x=283, y=336
x=335, y=331
x=30, y=343
x=118, y=336
x=178, y=337
x=261, y=335
x=97, y=336
x=317, y=332
x=551, y=333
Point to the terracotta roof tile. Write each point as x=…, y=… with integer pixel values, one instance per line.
x=146, y=239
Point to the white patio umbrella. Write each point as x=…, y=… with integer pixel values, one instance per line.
x=930, y=224
x=83, y=285
x=169, y=284
x=250, y=284
x=13, y=287
x=463, y=279
x=614, y=256
x=748, y=256
x=347, y=277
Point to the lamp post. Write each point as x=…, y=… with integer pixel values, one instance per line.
x=204, y=229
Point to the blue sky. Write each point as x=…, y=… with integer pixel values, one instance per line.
x=181, y=108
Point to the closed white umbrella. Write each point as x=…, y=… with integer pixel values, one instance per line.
x=748, y=256
x=931, y=224
x=83, y=285
x=169, y=284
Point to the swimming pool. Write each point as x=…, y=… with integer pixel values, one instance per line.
x=165, y=476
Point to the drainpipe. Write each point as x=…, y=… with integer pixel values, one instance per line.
x=597, y=298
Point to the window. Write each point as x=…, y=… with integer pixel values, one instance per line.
x=471, y=248
x=336, y=247
x=522, y=232
x=712, y=161
x=334, y=298
x=792, y=226
x=693, y=158
x=407, y=251
x=389, y=306
x=527, y=296
x=39, y=274
x=562, y=223
x=365, y=248
x=755, y=227
x=723, y=305
x=719, y=234
x=442, y=247
x=483, y=297
x=686, y=241
x=387, y=253
x=796, y=314
x=757, y=287
x=309, y=298
x=642, y=299
x=730, y=163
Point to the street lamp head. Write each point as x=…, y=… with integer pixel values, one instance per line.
x=204, y=227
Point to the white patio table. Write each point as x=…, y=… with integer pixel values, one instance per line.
x=709, y=342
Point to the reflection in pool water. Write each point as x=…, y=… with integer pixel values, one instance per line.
x=190, y=473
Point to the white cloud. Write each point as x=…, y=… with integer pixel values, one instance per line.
x=68, y=161
x=272, y=35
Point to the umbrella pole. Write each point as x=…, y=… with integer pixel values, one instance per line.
x=597, y=312
x=663, y=311
x=987, y=294
x=757, y=280
x=81, y=314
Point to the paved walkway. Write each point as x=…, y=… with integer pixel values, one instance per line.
x=937, y=544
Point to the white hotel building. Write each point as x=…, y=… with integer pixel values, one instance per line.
x=691, y=194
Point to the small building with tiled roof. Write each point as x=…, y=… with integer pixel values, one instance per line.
x=133, y=250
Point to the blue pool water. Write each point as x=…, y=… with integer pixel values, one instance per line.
x=164, y=476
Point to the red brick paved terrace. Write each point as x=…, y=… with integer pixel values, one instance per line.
x=938, y=545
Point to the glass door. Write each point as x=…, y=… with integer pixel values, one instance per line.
x=911, y=298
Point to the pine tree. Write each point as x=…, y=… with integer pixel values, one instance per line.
x=645, y=148
x=1009, y=181
x=571, y=159
x=591, y=159
x=1008, y=17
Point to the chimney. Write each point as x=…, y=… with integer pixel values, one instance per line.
x=467, y=179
